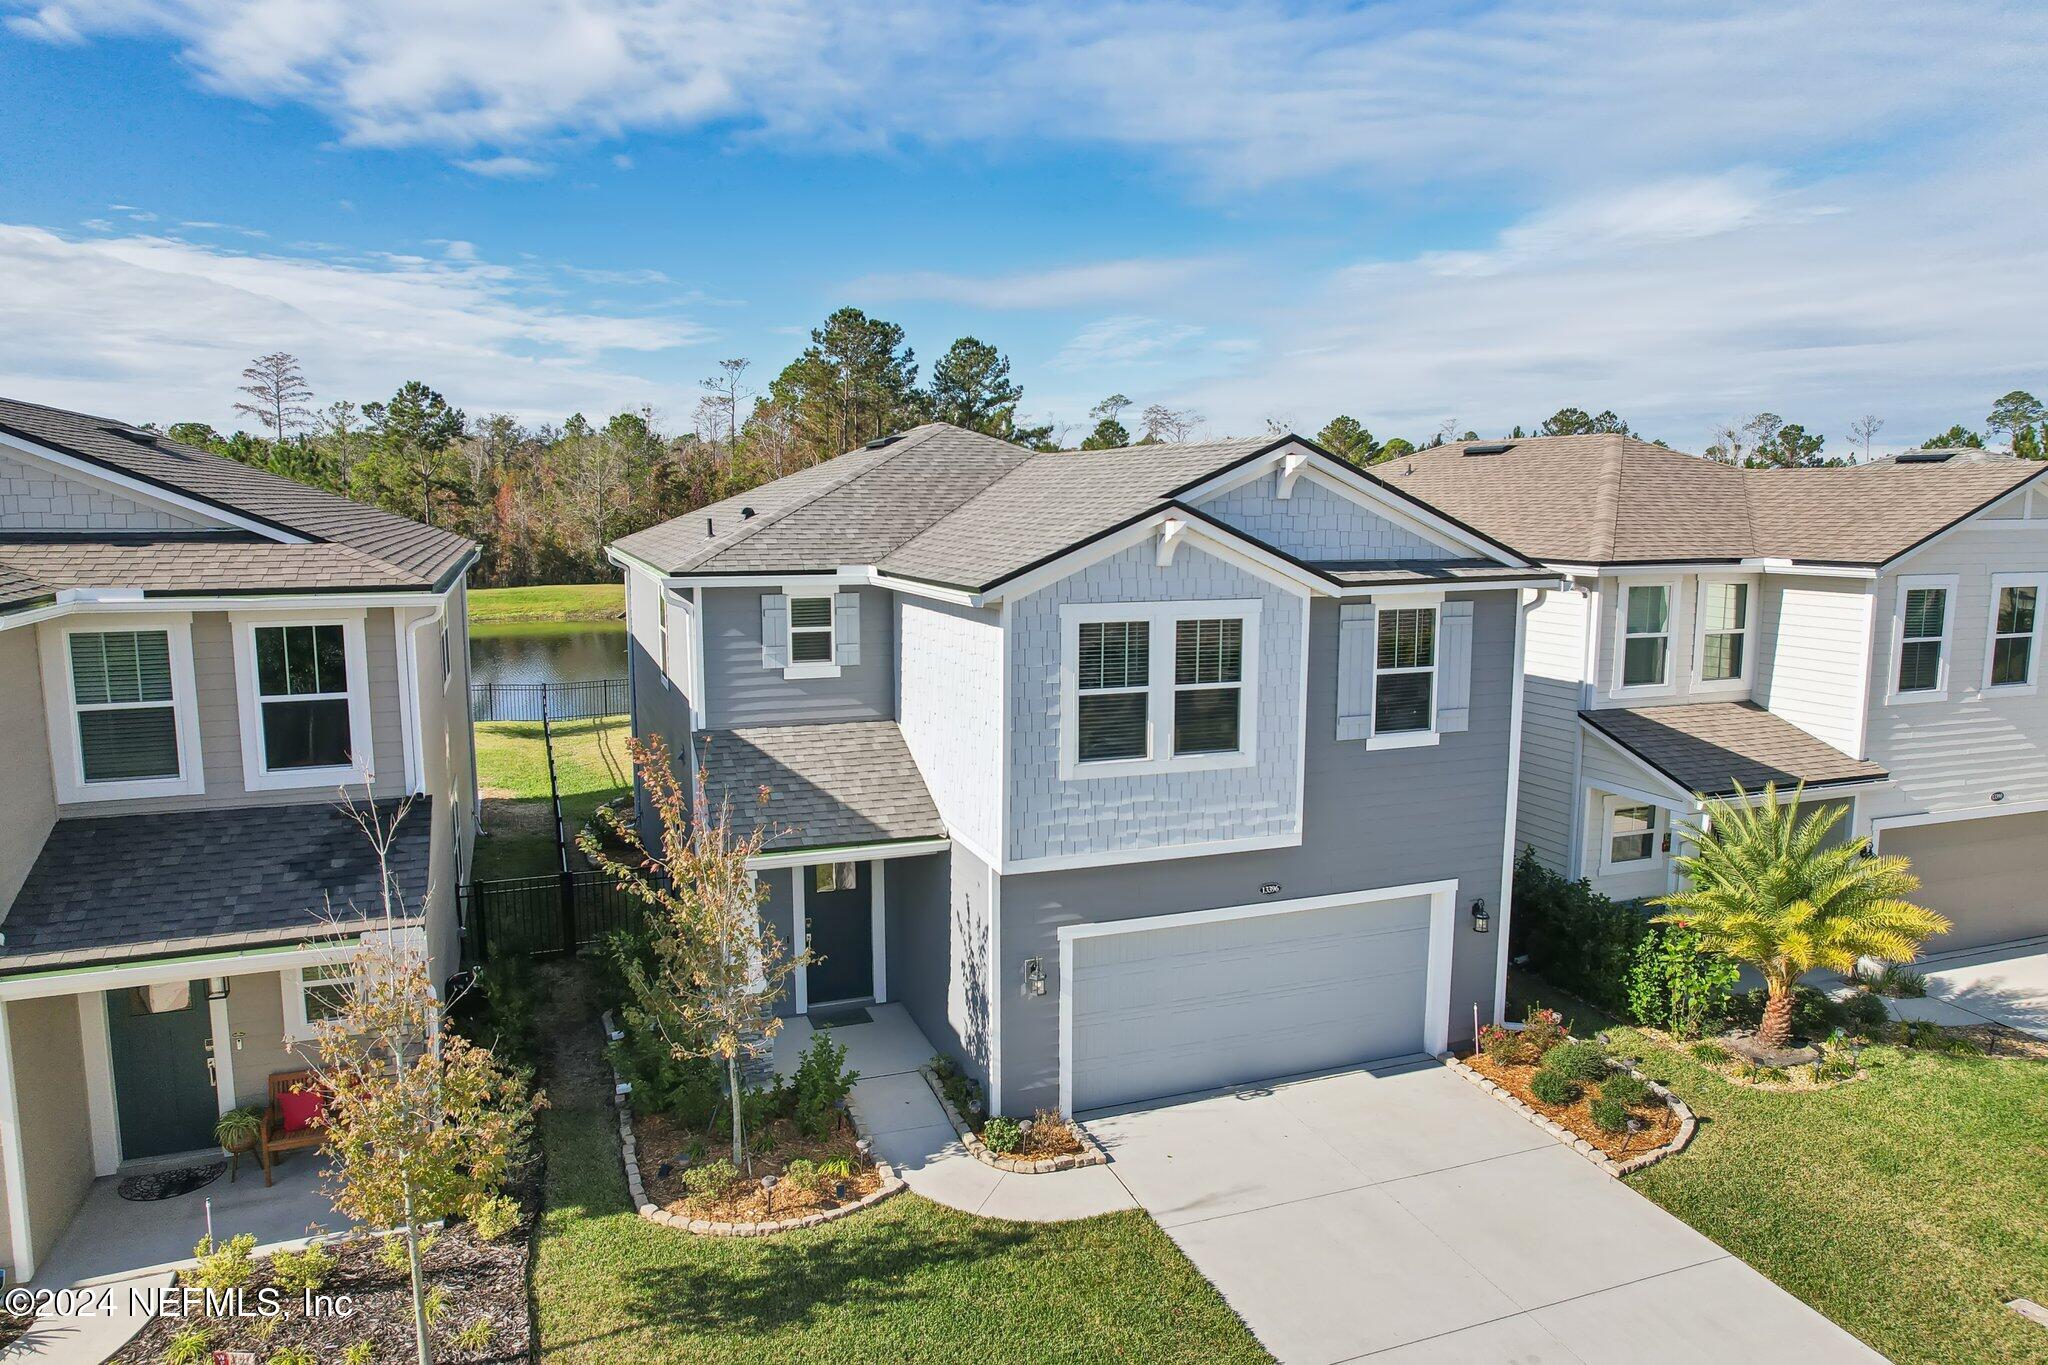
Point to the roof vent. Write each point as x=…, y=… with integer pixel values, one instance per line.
x=138, y=435
x=746, y=514
x=1490, y=448
x=881, y=441
x=1926, y=456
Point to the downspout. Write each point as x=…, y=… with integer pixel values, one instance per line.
x=1514, y=784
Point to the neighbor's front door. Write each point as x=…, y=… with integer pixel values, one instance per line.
x=162, y=1085
x=838, y=924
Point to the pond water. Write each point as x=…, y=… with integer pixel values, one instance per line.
x=547, y=651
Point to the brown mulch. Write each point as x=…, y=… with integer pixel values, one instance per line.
x=658, y=1139
x=1050, y=1136
x=1661, y=1125
x=12, y=1325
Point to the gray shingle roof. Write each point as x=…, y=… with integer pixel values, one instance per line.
x=1373, y=573
x=18, y=590
x=1615, y=500
x=124, y=886
x=191, y=564
x=420, y=555
x=1708, y=747
x=828, y=786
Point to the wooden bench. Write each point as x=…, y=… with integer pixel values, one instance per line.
x=274, y=1139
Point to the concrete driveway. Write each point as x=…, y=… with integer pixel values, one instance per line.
x=1400, y=1214
x=2006, y=984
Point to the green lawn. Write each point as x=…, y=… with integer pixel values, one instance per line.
x=551, y=602
x=512, y=769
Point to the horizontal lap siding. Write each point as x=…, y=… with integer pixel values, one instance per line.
x=951, y=705
x=740, y=692
x=28, y=799
x=1812, y=660
x=1555, y=661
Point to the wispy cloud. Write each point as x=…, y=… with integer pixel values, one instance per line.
x=1085, y=285
x=506, y=167
x=1125, y=342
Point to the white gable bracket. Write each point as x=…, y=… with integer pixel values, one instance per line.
x=1290, y=467
x=1170, y=532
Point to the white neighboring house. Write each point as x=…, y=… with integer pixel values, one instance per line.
x=1874, y=631
x=196, y=658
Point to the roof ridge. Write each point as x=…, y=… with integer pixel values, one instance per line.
x=1607, y=491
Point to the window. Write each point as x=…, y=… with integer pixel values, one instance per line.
x=1208, y=670
x=835, y=877
x=1631, y=834
x=447, y=657
x=325, y=990
x=2015, y=620
x=1115, y=670
x=122, y=696
x=810, y=630
x=1404, y=675
x=302, y=692
x=1724, y=631
x=1645, y=634
x=1923, y=623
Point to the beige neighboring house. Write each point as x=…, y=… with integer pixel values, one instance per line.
x=196, y=658
x=1873, y=631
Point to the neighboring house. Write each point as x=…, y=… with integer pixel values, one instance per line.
x=1873, y=631
x=196, y=658
x=1129, y=772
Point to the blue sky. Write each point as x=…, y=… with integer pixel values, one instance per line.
x=1415, y=213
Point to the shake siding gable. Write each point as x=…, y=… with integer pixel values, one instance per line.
x=1318, y=523
x=37, y=496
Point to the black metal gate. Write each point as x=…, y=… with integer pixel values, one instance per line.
x=543, y=916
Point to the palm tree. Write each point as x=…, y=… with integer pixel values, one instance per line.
x=1767, y=889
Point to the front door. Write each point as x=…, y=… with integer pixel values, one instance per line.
x=837, y=912
x=162, y=1085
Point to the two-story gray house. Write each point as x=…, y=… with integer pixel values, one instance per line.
x=1128, y=772
x=196, y=660
x=1873, y=631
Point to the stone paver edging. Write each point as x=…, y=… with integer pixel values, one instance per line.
x=1686, y=1122
x=636, y=1190
x=1089, y=1155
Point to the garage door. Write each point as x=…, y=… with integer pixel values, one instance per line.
x=1990, y=876
x=1190, y=1006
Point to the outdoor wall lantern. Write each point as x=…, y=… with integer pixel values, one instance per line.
x=1034, y=975
x=1482, y=923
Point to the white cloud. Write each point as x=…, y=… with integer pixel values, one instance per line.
x=506, y=167
x=1126, y=341
x=1061, y=287
x=149, y=327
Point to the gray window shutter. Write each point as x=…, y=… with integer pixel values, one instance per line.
x=774, y=630
x=846, y=629
x=1454, y=667
x=1355, y=652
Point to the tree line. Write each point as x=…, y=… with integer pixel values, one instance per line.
x=542, y=501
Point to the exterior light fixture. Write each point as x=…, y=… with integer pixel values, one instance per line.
x=1034, y=975
x=1482, y=922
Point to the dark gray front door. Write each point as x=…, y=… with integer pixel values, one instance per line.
x=841, y=933
x=162, y=1086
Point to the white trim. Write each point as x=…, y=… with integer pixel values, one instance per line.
x=1433, y=602
x=1660, y=830
x=222, y=1036
x=291, y=983
x=1975, y=520
x=1115, y=857
x=820, y=668
x=409, y=697
x=1672, y=590
x=67, y=756
x=1589, y=687
x=661, y=634
x=995, y=995
x=102, y=1118
x=698, y=701
x=1751, y=602
x=810, y=857
x=144, y=491
x=799, y=938
x=1436, y=1004
x=1163, y=620
x=1004, y=756
x=1907, y=583
x=1861, y=688
x=1505, y=904
x=1879, y=824
x=1211, y=536
x=1999, y=583
x=11, y=1157
x=34, y=985
x=1752, y=564
x=878, y=922
x=256, y=775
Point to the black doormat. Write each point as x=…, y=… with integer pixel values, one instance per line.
x=143, y=1189
x=840, y=1018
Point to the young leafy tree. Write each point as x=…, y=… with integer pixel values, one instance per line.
x=1766, y=888
x=719, y=967
x=971, y=387
x=2019, y=414
x=422, y=1124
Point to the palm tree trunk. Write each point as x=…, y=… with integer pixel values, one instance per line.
x=1776, y=1028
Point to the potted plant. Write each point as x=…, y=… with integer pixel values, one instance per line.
x=238, y=1130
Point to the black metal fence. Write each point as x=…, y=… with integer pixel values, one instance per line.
x=559, y=700
x=542, y=916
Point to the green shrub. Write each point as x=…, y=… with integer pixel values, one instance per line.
x=492, y=1218
x=359, y=1353
x=1713, y=1054
x=1502, y=1046
x=689, y=1090
x=224, y=1266
x=292, y=1355
x=302, y=1272
x=1864, y=1012
x=1002, y=1135
x=191, y=1346
x=1897, y=981
x=821, y=1083
x=1542, y=1030
x=1611, y=1116
x=1579, y=1059
x=512, y=999
x=713, y=1180
x=1676, y=985
x=475, y=1337
x=1623, y=1088
x=803, y=1174
x=837, y=1168
x=435, y=1304
x=1553, y=1087
x=959, y=1088
x=622, y=946
x=1574, y=937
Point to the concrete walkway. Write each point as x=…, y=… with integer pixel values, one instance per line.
x=2006, y=984
x=1400, y=1215
x=911, y=1133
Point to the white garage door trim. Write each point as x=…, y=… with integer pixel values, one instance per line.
x=1436, y=999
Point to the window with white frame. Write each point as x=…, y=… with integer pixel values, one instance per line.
x=2015, y=620
x=1404, y=672
x=124, y=705
x=1115, y=680
x=1208, y=690
x=1923, y=618
x=835, y=877
x=1724, y=631
x=1634, y=838
x=302, y=692
x=1646, y=635
x=810, y=630
x=315, y=994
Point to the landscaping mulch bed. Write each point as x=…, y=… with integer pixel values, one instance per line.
x=1660, y=1125
x=2000, y=1040
x=662, y=1143
x=12, y=1326
x=1050, y=1135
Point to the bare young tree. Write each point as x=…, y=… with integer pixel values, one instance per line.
x=1169, y=424
x=1863, y=431
x=720, y=407
x=278, y=394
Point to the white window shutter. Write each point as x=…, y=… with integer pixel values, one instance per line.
x=774, y=630
x=1355, y=652
x=1454, y=667
x=846, y=629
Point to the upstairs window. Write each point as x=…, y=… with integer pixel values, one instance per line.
x=1115, y=668
x=810, y=630
x=126, y=714
x=302, y=691
x=1208, y=692
x=1724, y=631
x=1404, y=676
x=1646, y=635
x=1923, y=640
x=2014, y=616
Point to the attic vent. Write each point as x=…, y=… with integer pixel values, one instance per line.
x=746, y=513
x=881, y=441
x=135, y=434
x=1927, y=457
x=1490, y=448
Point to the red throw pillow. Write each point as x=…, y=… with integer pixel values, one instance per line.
x=300, y=1108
